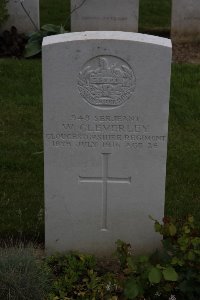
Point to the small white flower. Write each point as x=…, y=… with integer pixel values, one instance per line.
x=172, y=297
x=157, y=294
x=108, y=286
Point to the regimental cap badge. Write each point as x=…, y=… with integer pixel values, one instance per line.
x=106, y=81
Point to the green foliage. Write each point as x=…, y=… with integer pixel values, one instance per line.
x=34, y=44
x=173, y=271
x=21, y=275
x=77, y=276
x=12, y=43
x=3, y=11
x=132, y=288
x=123, y=252
x=155, y=275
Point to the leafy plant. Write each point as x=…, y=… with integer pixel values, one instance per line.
x=3, y=11
x=173, y=271
x=35, y=39
x=78, y=276
x=21, y=275
x=12, y=43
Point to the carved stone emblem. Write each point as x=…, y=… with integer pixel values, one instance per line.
x=106, y=81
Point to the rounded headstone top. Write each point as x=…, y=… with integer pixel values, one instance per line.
x=107, y=35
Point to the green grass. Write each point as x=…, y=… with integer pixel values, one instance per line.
x=21, y=157
x=155, y=15
x=183, y=188
x=22, y=275
x=54, y=12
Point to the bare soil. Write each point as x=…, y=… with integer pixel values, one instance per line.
x=186, y=52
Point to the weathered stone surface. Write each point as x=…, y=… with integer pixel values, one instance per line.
x=185, y=19
x=121, y=15
x=106, y=98
x=18, y=17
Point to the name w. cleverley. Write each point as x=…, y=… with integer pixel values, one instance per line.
x=113, y=128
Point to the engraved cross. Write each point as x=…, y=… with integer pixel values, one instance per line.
x=104, y=180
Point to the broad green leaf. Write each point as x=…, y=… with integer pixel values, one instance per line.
x=51, y=28
x=155, y=275
x=195, y=241
x=143, y=259
x=172, y=230
x=186, y=229
x=170, y=274
x=157, y=227
x=32, y=49
x=191, y=219
x=183, y=242
x=177, y=261
x=131, y=290
x=36, y=36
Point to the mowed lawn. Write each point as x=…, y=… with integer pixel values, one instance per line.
x=21, y=145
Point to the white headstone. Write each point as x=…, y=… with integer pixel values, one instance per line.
x=18, y=17
x=121, y=15
x=106, y=98
x=185, y=19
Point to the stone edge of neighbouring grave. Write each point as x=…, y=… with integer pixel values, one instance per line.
x=25, y=24
x=94, y=15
